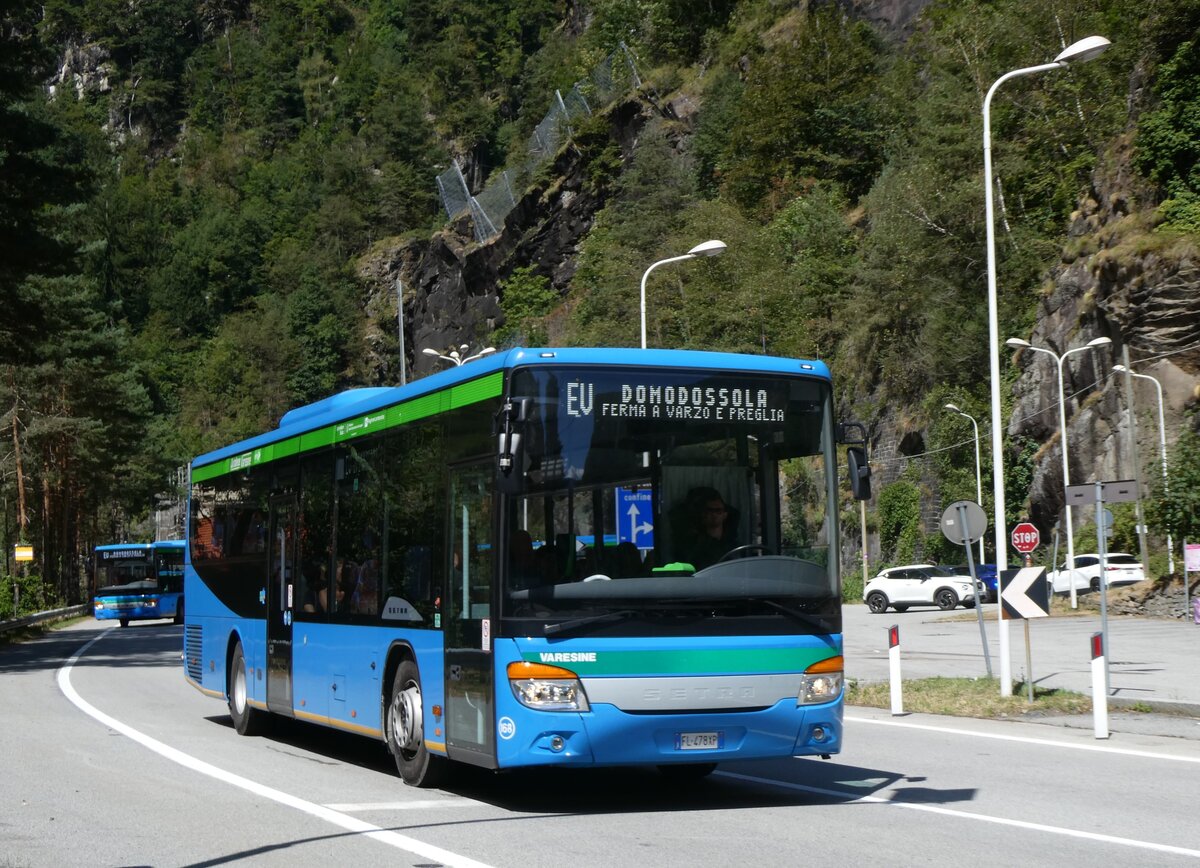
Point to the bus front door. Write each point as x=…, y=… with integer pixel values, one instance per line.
x=281, y=576
x=470, y=688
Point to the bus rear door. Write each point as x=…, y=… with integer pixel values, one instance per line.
x=280, y=588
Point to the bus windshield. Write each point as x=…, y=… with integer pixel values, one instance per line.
x=124, y=567
x=670, y=501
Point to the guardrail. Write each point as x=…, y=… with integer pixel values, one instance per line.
x=42, y=617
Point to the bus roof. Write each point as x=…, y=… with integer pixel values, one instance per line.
x=168, y=544
x=358, y=404
x=112, y=547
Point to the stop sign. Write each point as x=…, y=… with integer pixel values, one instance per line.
x=1025, y=538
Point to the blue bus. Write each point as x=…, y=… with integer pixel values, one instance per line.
x=139, y=581
x=546, y=557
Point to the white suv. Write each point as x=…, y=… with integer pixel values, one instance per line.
x=919, y=585
x=1119, y=569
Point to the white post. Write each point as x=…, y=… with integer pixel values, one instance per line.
x=1099, y=692
x=894, y=669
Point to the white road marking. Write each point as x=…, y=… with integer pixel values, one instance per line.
x=329, y=815
x=1146, y=754
x=967, y=815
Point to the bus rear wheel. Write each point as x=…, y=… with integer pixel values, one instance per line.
x=179, y=611
x=246, y=719
x=406, y=731
x=124, y=622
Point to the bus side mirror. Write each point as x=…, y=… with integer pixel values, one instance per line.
x=860, y=472
x=508, y=445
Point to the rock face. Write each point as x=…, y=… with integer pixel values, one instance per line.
x=1147, y=302
x=451, y=283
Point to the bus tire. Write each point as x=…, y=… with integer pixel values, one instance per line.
x=406, y=731
x=247, y=720
x=179, y=611
x=683, y=772
x=124, y=622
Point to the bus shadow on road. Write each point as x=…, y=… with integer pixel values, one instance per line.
x=621, y=789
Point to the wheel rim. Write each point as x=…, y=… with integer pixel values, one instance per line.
x=406, y=718
x=239, y=687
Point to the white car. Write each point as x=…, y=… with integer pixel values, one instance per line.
x=919, y=585
x=1119, y=569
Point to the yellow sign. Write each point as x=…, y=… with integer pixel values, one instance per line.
x=23, y=553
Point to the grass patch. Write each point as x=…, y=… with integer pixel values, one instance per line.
x=969, y=697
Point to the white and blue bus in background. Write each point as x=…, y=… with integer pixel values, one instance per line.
x=559, y=557
x=139, y=581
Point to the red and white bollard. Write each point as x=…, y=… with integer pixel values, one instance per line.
x=894, y=668
x=1099, y=690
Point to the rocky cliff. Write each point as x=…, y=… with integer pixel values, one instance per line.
x=1121, y=280
x=451, y=282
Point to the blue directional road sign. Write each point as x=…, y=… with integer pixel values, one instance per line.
x=635, y=517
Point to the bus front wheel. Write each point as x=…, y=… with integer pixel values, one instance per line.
x=124, y=622
x=406, y=731
x=246, y=720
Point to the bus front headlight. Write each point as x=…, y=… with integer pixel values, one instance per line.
x=821, y=682
x=547, y=688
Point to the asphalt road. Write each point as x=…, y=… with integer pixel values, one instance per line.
x=112, y=759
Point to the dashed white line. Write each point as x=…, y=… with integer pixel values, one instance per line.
x=328, y=814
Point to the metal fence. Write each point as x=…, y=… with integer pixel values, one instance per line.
x=616, y=75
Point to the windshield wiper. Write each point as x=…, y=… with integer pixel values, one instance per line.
x=803, y=617
x=566, y=626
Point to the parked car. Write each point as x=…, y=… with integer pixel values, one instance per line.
x=1119, y=569
x=986, y=573
x=917, y=585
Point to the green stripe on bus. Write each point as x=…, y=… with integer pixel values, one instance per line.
x=744, y=661
x=377, y=420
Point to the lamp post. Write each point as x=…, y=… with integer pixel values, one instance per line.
x=1162, y=447
x=1084, y=49
x=978, y=475
x=400, y=319
x=1062, y=426
x=458, y=357
x=708, y=248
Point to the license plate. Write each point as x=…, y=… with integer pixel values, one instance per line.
x=699, y=740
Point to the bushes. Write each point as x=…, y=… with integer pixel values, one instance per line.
x=33, y=596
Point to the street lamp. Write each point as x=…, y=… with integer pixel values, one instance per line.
x=978, y=475
x=1062, y=425
x=1084, y=49
x=1162, y=447
x=458, y=357
x=708, y=248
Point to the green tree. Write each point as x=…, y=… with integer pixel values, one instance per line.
x=810, y=110
x=1174, y=507
x=526, y=297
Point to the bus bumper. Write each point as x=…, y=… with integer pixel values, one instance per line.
x=607, y=736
